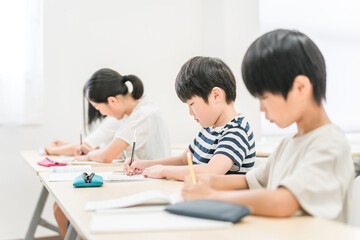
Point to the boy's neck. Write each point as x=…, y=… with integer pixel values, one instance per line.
x=226, y=115
x=313, y=118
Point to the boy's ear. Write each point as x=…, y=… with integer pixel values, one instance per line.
x=217, y=94
x=303, y=85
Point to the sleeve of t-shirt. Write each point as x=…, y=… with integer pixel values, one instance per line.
x=318, y=184
x=142, y=123
x=258, y=177
x=104, y=132
x=234, y=144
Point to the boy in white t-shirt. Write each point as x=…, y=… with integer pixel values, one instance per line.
x=310, y=173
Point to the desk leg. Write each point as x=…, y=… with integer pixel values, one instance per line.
x=36, y=218
x=71, y=234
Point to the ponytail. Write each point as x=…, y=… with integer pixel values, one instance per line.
x=138, y=87
x=106, y=83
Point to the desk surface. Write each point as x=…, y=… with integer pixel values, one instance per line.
x=72, y=201
x=32, y=157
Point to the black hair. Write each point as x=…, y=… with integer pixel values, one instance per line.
x=106, y=83
x=276, y=58
x=199, y=75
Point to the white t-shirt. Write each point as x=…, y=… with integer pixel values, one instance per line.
x=316, y=167
x=104, y=133
x=152, y=138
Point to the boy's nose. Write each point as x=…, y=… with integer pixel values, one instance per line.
x=191, y=113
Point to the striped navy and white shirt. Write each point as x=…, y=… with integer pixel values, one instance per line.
x=234, y=140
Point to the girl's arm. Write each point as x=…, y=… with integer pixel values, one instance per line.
x=107, y=154
x=63, y=148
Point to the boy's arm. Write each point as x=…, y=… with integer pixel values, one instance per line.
x=273, y=203
x=139, y=165
x=219, y=164
x=221, y=182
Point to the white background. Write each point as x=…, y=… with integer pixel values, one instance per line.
x=334, y=26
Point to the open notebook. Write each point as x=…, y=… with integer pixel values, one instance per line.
x=121, y=176
x=151, y=197
x=148, y=219
x=67, y=173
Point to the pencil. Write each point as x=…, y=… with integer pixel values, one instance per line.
x=191, y=168
x=133, y=149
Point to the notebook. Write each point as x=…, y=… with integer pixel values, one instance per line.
x=151, y=197
x=120, y=176
x=148, y=219
x=67, y=173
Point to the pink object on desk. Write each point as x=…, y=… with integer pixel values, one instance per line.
x=49, y=163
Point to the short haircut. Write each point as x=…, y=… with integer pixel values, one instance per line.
x=199, y=75
x=276, y=58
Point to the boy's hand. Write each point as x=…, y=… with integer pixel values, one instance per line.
x=155, y=171
x=82, y=150
x=200, y=190
x=136, y=167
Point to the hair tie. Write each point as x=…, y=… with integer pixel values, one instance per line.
x=124, y=78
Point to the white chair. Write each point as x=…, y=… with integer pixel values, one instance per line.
x=354, y=209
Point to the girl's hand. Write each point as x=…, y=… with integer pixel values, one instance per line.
x=82, y=150
x=155, y=171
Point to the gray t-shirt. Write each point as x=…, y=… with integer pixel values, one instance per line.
x=316, y=167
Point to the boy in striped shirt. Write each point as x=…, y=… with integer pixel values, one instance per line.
x=225, y=144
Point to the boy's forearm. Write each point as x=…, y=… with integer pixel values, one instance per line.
x=229, y=182
x=170, y=161
x=272, y=203
x=179, y=172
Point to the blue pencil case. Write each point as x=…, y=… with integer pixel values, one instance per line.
x=88, y=180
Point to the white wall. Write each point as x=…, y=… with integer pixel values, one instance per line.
x=151, y=39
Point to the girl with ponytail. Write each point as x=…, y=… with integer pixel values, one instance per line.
x=108, y=92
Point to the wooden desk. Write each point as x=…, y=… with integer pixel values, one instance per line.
x=72, y=202
x=31, y=158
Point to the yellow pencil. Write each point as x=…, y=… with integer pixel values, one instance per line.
x=192, y=173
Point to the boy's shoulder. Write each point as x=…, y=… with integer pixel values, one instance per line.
x=328, y=136
x=239, y=122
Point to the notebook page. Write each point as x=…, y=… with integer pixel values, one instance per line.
x=67, y=173
x=147, y=197
x=137, y=220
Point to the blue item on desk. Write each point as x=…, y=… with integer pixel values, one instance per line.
x=88, y=180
